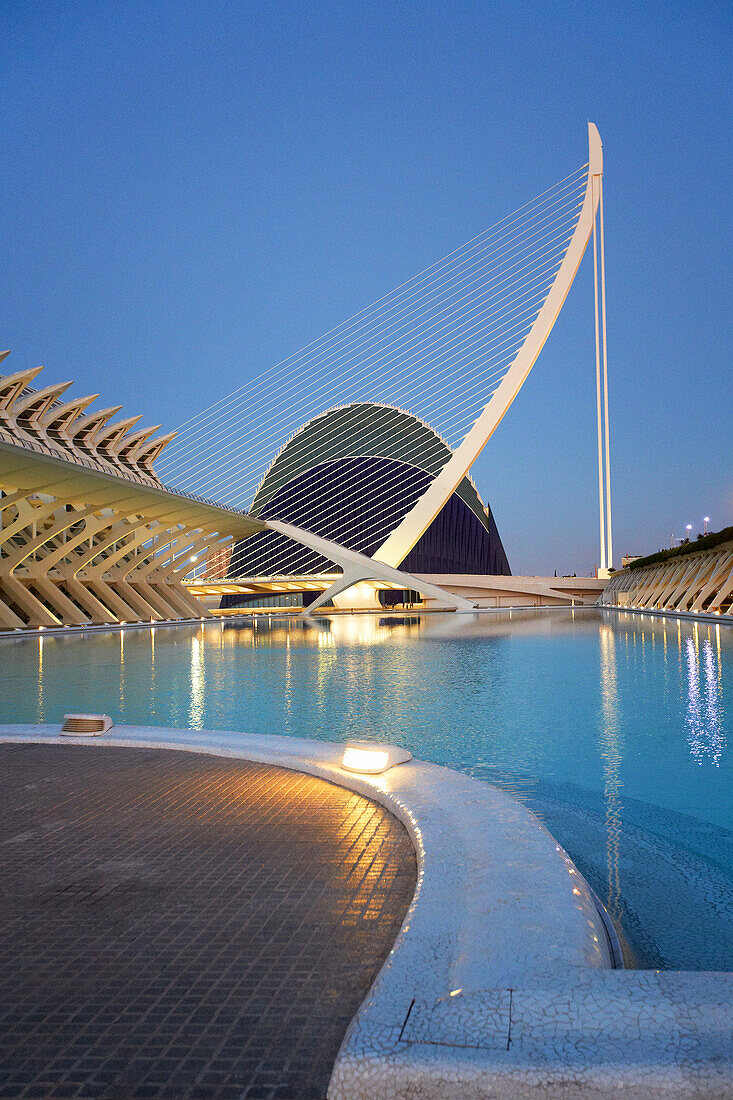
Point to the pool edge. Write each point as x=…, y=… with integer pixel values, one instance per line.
x=453, y=1007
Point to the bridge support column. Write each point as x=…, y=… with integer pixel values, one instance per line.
x=358, y=567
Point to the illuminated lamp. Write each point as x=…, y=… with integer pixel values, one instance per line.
x=371, y=758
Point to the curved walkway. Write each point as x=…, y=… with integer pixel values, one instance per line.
x=181, y=925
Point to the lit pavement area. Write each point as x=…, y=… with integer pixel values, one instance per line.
x=182, y=925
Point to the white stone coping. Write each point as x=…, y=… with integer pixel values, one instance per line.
x=500, y=982
x=662, y=613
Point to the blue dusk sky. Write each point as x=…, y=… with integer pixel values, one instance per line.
x=192, y=191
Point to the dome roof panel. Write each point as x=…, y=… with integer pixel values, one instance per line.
x=363, y=429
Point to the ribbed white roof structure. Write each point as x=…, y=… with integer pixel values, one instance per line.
x=37, y=417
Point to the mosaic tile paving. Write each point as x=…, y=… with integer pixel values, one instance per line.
x=177, y=925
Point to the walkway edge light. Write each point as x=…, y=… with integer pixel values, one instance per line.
x=86, y=725
x=371, y=758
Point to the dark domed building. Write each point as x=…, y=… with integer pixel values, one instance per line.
x=351, y=475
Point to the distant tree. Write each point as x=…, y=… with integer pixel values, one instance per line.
x=707, y=542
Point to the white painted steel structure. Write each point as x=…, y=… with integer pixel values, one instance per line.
x=604, y=456
x=416, y=522
x=452, y=347
x=695, y=583
x=358, y=567
x=458, y=341
x=419, y=518
x=89, y=536
x=481, y=591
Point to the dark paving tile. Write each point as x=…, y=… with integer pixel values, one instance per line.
x=186, y=926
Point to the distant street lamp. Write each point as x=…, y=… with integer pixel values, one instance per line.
x=705, y=521
x=688, y=528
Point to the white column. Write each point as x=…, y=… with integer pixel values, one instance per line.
x=605, y=380
x=596, y=182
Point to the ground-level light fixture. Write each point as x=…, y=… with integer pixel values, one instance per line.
x=86, y=725
x=371, y=758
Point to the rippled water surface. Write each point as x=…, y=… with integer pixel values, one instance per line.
x=616, y=729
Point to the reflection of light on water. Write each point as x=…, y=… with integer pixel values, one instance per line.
x=348, y=649
x=362, y=629
x=152, y=670
x=122, y=672
x=326, y=661
x=40, y=680
x=704, y=702
x=288, y=688
x=198, y=683
x=611, y=752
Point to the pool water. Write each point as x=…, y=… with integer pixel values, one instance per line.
x=614, y=728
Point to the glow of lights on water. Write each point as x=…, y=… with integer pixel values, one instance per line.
x=122, y=672
x=40, y=680
x=288, y=700
x=611, y=752
x=198, y=684
x=359, y=629
x=704, y=718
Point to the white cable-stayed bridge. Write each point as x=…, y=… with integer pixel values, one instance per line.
x=341, y=473
x=351, y=448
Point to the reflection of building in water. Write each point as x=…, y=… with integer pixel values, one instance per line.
x=704, y=701
x=610, y=745
x=361, y=629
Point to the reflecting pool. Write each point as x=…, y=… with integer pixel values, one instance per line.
x=616, y=729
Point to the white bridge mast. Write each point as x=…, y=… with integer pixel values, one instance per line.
x=604, y=457
x=396, y=547
x=398, y=544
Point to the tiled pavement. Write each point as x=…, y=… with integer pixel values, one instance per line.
x=179, y=925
